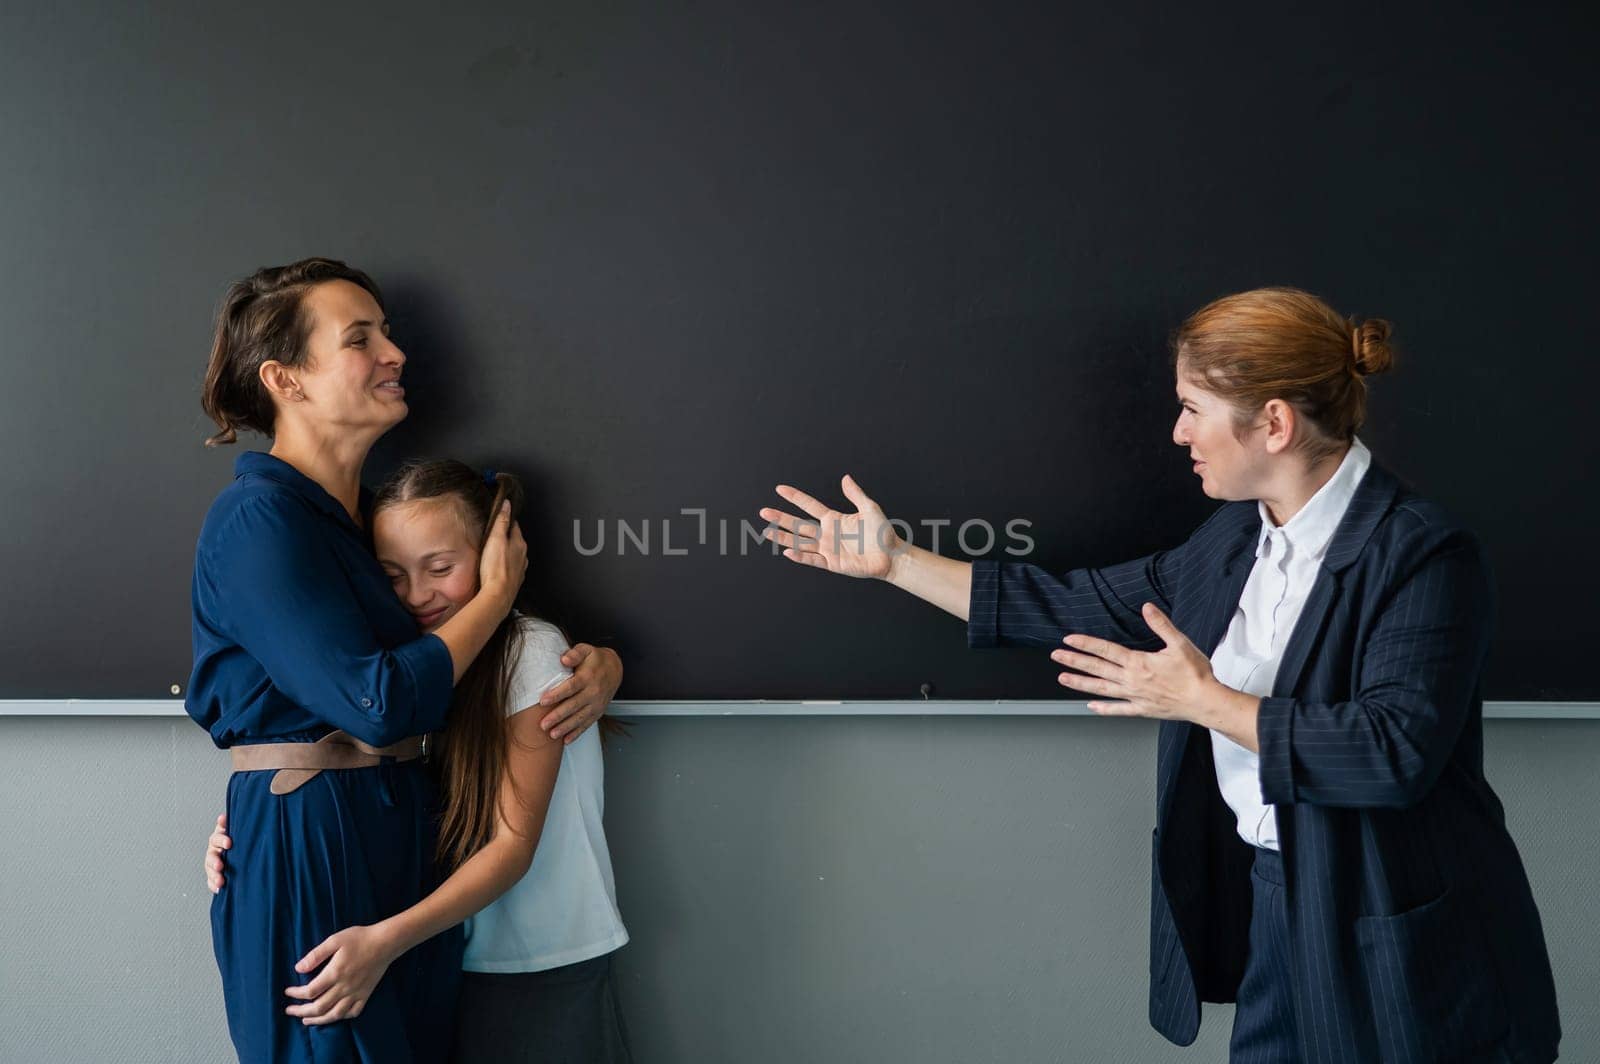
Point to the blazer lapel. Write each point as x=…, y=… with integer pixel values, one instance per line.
x=1307, y=632
x=1211, y=623
x=1372, y=499
x=1205, y=631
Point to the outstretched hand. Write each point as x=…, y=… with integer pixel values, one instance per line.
x=860, y=544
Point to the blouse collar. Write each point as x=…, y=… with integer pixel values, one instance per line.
x=276, y=469
x=1312, y=528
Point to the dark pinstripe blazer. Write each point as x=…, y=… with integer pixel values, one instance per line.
x=1413, y=929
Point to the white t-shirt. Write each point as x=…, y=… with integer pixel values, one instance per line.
x=565, y=909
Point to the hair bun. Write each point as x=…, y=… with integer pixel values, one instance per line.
x=1369, y=346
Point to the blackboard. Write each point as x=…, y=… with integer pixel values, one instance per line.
x=659, y=257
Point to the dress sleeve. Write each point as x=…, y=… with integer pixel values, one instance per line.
x=282, y=595
x=1417, y=680
x=1015, y=604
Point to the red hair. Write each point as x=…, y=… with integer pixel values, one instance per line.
x=1282, y=343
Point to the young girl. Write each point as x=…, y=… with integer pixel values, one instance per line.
x=520, y=834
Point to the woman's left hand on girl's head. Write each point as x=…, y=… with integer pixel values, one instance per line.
x=352, y=962
x=1167, y=684
x=578, y=701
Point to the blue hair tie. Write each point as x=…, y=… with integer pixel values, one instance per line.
x=489, y=476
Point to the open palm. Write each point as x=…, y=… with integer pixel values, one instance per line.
x=860, y=544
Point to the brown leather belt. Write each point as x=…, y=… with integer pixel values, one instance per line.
x=298, y=762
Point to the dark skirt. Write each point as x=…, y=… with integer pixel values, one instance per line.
x=567, y=1015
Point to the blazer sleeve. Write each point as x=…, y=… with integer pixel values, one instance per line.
x=1417, y=678
x=1016, y=604
x=285, y=599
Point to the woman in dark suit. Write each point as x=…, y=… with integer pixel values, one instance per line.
x=1327, y=851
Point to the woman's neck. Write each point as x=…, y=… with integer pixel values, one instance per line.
x=333, y=462
x=1284, y=500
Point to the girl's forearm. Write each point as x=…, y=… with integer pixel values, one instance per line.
x=933, y=578
x=484, y=876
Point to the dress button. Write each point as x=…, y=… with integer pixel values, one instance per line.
x=366, y=703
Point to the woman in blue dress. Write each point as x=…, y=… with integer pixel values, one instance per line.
x=313, y=673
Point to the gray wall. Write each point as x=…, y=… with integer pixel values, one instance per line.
x=798, y=889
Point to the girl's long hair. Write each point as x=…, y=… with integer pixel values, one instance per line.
x=471, y=751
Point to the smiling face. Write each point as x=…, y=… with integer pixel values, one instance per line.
x=351, y=380
x=1229, y=468
x=430, y=555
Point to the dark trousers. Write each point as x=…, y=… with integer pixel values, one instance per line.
x=1264, y=1030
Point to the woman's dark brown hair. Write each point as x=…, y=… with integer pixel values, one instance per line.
x=472, y=749
x=1282, y=343
x=261, y=320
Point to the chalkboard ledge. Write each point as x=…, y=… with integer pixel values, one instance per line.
x=172, y=707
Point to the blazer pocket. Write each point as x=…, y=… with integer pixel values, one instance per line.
x=1430, y=980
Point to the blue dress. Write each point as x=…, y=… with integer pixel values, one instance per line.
x=297, y=632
